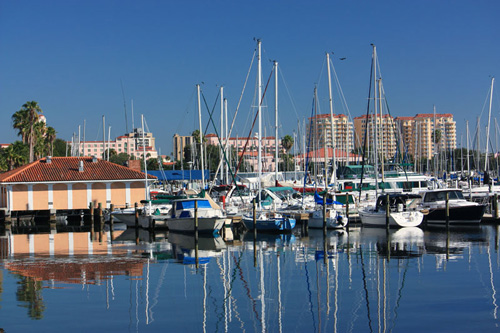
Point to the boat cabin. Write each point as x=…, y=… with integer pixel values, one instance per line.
x=398, y=202
x=440, y=195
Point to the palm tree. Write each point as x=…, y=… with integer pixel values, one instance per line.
x=287, y=143
x=50, y=136
x=24, y=121
x=20, y=123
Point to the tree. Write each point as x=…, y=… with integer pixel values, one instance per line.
x=32, y=110
x=120, y=159
x=59, y=147
x=153, y=164
x=13, y=156
x=287, y=143
x=50, y=136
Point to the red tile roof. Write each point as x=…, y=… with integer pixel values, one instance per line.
x=67, y=169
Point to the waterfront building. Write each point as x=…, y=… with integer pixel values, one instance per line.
x=418, y=134
x=323, y=134
x=133, y=143
x=66, y=183
x=385, y=132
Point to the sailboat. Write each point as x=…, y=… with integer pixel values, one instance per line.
x=265, y=221
x=397, y=210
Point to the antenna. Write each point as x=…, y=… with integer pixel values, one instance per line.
x=125, y=107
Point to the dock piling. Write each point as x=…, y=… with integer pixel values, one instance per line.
x=111, y=221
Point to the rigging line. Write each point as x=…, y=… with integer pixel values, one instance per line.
x=280, y=73
x=366, y=130
x=344, y=101
x=124, y=107
x=211, y=120
x=210, y=113
x=306, y=168
x=395, y=132
x=241, y=95
x=186, y=111
x=253, y=124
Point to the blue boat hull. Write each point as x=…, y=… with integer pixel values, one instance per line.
x=271, y=224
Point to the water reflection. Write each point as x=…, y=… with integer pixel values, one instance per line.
x=364, y=279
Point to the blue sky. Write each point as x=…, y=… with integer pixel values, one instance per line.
x=73, y=57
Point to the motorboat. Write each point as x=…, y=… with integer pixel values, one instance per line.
x=461, y=211
x=181, y=217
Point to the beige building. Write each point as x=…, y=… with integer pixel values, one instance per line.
x=417, y=133
x=320, y=127
x=66, y=183
x=386, y=133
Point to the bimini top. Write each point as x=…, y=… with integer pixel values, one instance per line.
x=183, y=204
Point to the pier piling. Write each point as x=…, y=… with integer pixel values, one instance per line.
x=111, y=221
x=387, y=211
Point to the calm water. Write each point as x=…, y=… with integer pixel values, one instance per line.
x=413, y=280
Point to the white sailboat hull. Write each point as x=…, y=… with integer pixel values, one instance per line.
x=396, y=219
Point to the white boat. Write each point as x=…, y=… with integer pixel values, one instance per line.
x=181, y=218
x=461, y=211
x=401, y=213
x=334, y=219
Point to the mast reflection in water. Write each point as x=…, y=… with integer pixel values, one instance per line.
x=361, y=280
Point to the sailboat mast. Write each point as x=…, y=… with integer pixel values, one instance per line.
x=226, y=143
x=201, y=140
x=259, y=109
x=488, y=130
x=144, y=157
x=276, y=122
x=375, y=137
x=333, y=136
x=221, y=134
x=384, y=152
x=467, y=144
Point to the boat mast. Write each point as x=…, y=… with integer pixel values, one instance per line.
x=221, y=134
x=333, y=136
x=384, y=151
x=276, y=123
x=144, y=157
x=259, y=109
x=226, y=143
x=375, y=137
x=201, y=140
x=467, y=144
x=488, y=130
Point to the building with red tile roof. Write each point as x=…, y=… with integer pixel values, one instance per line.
x=66, y=183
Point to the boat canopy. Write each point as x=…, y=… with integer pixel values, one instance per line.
x=189, y=204
x=319, y=200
